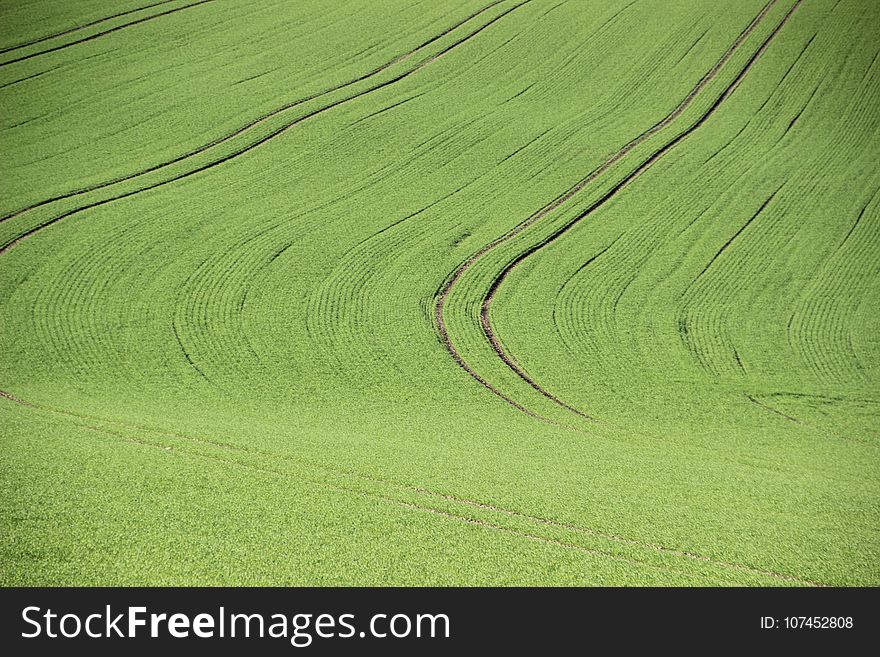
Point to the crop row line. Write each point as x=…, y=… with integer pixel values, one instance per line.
x=255, y=455
x=259, y=121
x=457, y=275
x=92, y=37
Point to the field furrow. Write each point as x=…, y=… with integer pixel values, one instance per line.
x=475, y=292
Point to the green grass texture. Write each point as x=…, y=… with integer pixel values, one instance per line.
x=473, y=292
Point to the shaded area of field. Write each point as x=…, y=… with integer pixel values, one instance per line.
x=486, y=292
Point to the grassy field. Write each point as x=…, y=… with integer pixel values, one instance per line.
x=466, y=292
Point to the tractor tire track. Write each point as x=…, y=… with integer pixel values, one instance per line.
x=92, y=37
x=26, y=234
x=88, y=421
x=82, y=27
x=488, y=331
x=274, y=133
x=257, y=121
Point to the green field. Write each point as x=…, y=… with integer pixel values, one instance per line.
x=384, y=292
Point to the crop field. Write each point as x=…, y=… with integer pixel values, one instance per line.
x=472, y=292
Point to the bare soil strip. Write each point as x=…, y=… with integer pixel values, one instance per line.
x=489, y=333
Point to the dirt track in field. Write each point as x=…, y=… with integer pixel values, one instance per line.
x=491, y=336
x=130, y=433
x=99, y=34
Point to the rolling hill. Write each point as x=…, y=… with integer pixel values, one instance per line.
x=537, y=292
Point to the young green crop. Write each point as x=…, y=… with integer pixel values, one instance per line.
x=236, y=349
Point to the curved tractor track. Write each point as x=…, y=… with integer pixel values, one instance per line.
x=485, y=306
x=457, y=507
x=92, y=37
x=82, y=27
x=259, y=121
